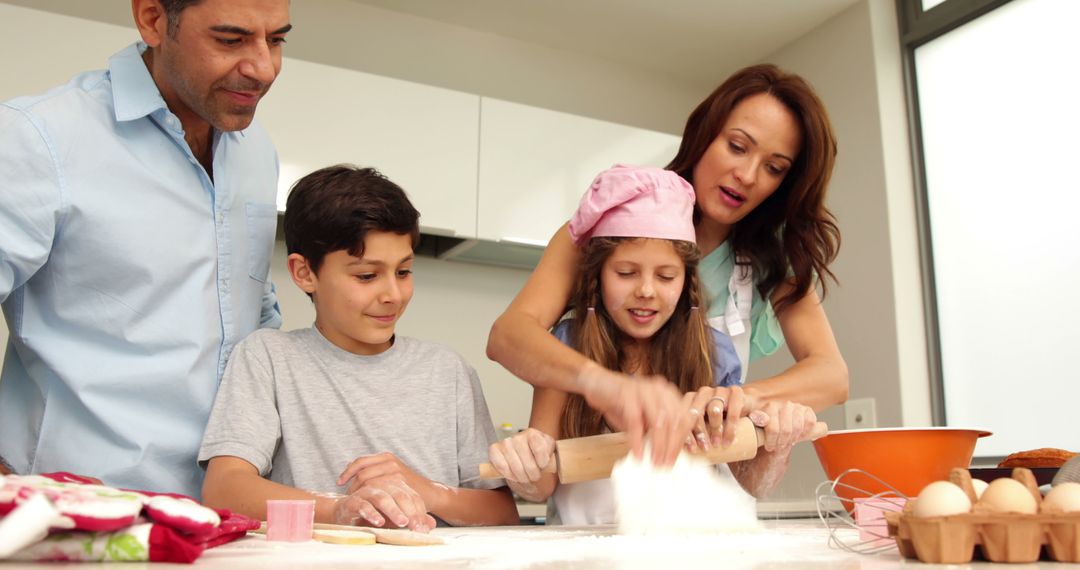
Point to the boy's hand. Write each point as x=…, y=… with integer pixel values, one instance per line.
x=384, y=503
x=523, y=457
x=386, y=466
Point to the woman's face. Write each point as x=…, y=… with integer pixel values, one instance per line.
x=747, y=161
x=641, y=282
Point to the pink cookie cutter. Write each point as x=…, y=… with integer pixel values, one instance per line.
x=870, y=516
x=290, y=520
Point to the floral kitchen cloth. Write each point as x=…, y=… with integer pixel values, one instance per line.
x=146, y=542
x=79, y=520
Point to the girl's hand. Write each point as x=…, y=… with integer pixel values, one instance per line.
x=522, y=457
x=649, y=406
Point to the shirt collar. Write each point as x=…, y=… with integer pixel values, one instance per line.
x=722, y=252
x=395, y=342
x=135, y=95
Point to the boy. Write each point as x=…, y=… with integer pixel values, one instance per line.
x=379, y=429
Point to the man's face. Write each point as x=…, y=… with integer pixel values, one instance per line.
x=220, y=60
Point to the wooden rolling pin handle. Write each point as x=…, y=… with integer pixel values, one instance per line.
x=589, y=458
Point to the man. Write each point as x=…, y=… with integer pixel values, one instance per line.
x=135, y=233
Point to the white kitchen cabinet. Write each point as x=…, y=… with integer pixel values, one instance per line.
x=535, y=164
x=423, y=138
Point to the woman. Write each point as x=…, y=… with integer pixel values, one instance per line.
x=759, y=152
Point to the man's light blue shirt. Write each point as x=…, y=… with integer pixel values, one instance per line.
x=126, y=275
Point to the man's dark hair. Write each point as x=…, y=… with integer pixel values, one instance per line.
x=173, y=8
x=332, y=209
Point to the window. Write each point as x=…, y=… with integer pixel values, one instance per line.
x=994, y=88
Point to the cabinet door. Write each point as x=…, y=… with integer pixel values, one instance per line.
x=423, y=138
x=535, y=164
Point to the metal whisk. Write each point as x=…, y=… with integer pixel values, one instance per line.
x=833, y=510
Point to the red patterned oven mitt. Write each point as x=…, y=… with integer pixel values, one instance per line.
x=61, y=517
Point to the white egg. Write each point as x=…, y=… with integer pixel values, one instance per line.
x=1064, y=496
x=979, y=486
x=1007, y=495
x=941, y=499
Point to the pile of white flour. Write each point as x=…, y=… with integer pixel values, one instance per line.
x=692, y=497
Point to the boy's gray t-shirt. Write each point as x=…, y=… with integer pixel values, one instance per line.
x=300, y=409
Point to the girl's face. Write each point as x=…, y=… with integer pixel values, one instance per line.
x=747, y=161
x=641, y=282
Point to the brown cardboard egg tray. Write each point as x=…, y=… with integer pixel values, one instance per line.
x=1000, y=537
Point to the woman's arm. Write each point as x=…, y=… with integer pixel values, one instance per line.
x=519, y=338
x=819, y=377
x=760, y=475
x=520, y=341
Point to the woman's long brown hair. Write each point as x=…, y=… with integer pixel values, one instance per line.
x=681, y=350
x=792, y=228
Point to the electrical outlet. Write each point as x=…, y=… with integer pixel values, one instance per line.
x=860, y=413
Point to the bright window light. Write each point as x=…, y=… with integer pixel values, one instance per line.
x=999, y=99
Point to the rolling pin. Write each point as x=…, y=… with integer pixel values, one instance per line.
x=588, y=458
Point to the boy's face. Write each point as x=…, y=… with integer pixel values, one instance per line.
x=358, y=301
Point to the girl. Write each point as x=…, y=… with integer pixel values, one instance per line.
x=637, y=308
x=759, y=152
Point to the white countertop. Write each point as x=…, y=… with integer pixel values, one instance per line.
x=801, y=543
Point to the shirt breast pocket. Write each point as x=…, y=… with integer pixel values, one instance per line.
x=261, y=226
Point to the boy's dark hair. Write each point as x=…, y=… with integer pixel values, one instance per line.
x=333, y=208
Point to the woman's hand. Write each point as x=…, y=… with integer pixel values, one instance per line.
x=785, y=423
x=523, y=457
x=386, y=502
x=715, y=412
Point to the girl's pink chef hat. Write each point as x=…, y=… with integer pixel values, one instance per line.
x=635, y=201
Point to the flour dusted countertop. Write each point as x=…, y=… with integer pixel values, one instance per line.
x=801, y=543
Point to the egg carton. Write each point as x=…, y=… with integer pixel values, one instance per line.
x=997, y=537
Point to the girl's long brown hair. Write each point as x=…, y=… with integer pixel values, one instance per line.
x=681, y=350
x=792, y=228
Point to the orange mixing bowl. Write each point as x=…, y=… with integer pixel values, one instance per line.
x=906, y=458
